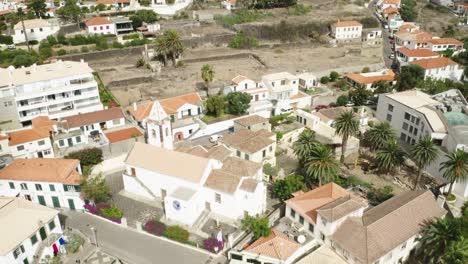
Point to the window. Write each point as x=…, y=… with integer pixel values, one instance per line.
x=254, y=261
x=41, y=142
x=415, y=132
x=405, y=126
x=78, y=139
x=271, y=148
x=403, y=246
x=100, y=27
x=413, y=119
x=107, y=27
x=407, y=116
x=403, y=136
x=51, y=225
x=17, y=252
x=40, y=29
x=52, y=187
x=236, y=256
x=301, y=219
x=283, y=82
x=32, y=30
x=46, y=152
x=34, y=239
x=264, y=153
x=247, y=156
x=417, y=121
x=24, y=186
x=389, y=117
x=12, y=185
x=20, y=147
x=94, y=28
x=411, y=129
x=61, y=143
x=238, y=153
x=311, y=227
x=38, y=187
x=218, y=198
x=292, y=213
x=390, y=108
x=116, y=122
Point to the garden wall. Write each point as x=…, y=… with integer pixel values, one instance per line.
x=121, y=147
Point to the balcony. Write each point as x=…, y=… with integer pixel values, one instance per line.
x=54, y=89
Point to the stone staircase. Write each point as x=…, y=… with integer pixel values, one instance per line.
x=201, y=220
x=146, y=188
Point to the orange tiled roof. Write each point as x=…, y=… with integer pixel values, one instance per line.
x=307, y=204
x=142, y=110
x=98, y=21
x=171, y=105
x=43, y=121
x=434, y=63
x=414, y=35
x=417, y=52
x=111, y=2
x=390, y=10
x=391, y=2
x=92, y=117
x=362, y=79
x=407, y=26
x=277, y=245
x=351, y=23
x=28, y=135
x=238, y=79
x=123, y=134
x=43, y=170
x=438, y=41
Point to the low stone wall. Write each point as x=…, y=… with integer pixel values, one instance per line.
x=119, y=148
x=104, y=54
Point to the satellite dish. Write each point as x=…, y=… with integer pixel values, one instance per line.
x=301, y=239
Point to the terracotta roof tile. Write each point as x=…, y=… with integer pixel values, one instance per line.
x=351, y=23
x=248, y=141
x=391, y=2
x=363, y=78
x=43, y=121
x=251, y=120
x=238, y=79
x=98, y=21
x=277, y=245
x=418, y=52
x=123, y=134
x=434, y=63
x=142, y=111
x=439, y=41
x=249, y=185
x=241, y=167
x=223, y=181
x=390, y=10
x=92, y=118
x=171, y=105
x=43, y=170
x=28, y=135
x=111, y=2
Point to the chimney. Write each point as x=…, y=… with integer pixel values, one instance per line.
x=134, y=106
x=441, y=200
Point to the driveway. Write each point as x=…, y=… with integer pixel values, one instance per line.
x=134, y=247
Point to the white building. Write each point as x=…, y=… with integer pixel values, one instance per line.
x=28, y=143
x=36, y=29
x=55, y=90
x=436, y=44
x=383, y=4
x=308, y=81
x=195, y=182
x=322, y=210
x=100, y=25
x=405, y=55
x=243, y=84
x=26, y=228
x=386, y=233
x=440, y=68
x=229, y=4
x=369, y=79
x=50, y=182
x=346, y=30
x=372, y=36
x=168, y=120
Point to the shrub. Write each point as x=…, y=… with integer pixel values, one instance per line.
x=325, y=80
x=74, y=242
x=177, y=233
x=299, y=10
x=240, y=16
x=33, y=42
x=380, y=195
x=117, y=45
x=180, y=63
x=334, y=76
x=112, y=212
x=365, y=70
x=278, y=119
x=61, y=52
x=270, y=170
x=140, y=62
x=342, y=100
x=4, y=39
x=155, y=227
x=213, y=245
x=259, y=226
x=369, y=22
x=241, y=41
x=131, y=36
x=279, y=135
x=284, y=188
x=52, y=40
x=84, y=49
x=89, y=156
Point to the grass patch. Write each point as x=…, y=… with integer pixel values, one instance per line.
x=107, y=99
x=313, y=91
x=209, y=119
x=241, y=16
x=299, y=10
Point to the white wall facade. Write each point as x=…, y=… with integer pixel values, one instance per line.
x=453, y=72
x=64, y=142
x=281, y=89
x=34, y=149
x=38, y=33
x=347, y=33
x=101, y=29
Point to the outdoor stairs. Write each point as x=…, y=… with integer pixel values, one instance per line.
x=201, y=220
x=202, y=124
x=146, y=188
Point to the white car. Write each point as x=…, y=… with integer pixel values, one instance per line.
x=215, y=138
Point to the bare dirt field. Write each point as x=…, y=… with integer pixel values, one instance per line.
x=130, y=84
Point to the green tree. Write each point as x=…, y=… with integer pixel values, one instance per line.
x=71, y=11
x=174, y=44
x=284, y=188
x=242, y=41
x=304, y=145
x=410, y=76
x=143, y=15
x=238, y=102
x=378, y=196
x=325, y=79
x=365, y=70
x=48, y=259
x=24, y=60
x=45, y=50
x=100, y=7
x=455, y=168
x=359, y=95
x=390, y=156
x=334, y=76
x=96, y=189
x=322, y=165
x=4, y=39
x=346, y=126
x=408, y=10
x=342, y=100
x=424, y=153
x=207, y=74
x=377, y=136
x=215, y=105
x=382, y=87
x=457, y=252
x=38, y=7
x=21, y=16
x=259, y=226
x=161, y=48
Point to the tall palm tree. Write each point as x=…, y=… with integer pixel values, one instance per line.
x=424, y=152
x=378, y=135
x=436, y=237
x=304, y=145
x=455, y=168
x=390, y=156
x=174, y=44
x=207, y=74
x=346, y=126
x=322, y=164
x=162, y=48
x=21, y=14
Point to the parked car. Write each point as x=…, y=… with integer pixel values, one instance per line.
x=215, y=138
x=392, y=56
x=319, y=107
x=11, y=47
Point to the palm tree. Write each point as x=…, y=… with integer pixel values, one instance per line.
x=174, y=44
x=346, y=126
x=436, y=237
x=424, y=152
x=390, y=156
x=378, y=135
x=162, y=48
x=455, y=168
x=21, y=14
x=207, y=74
x=322, y=164
x=304, y=145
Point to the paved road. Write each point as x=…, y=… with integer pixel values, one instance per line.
x=131, y=246
x=387, y=47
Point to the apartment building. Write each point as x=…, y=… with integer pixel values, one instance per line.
x=56, y=90
x=405, y=55
x=27, y=227
x=244, y=84
x=440, y=68
x=436, y=44
x=346, y=30
x=49, y=182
